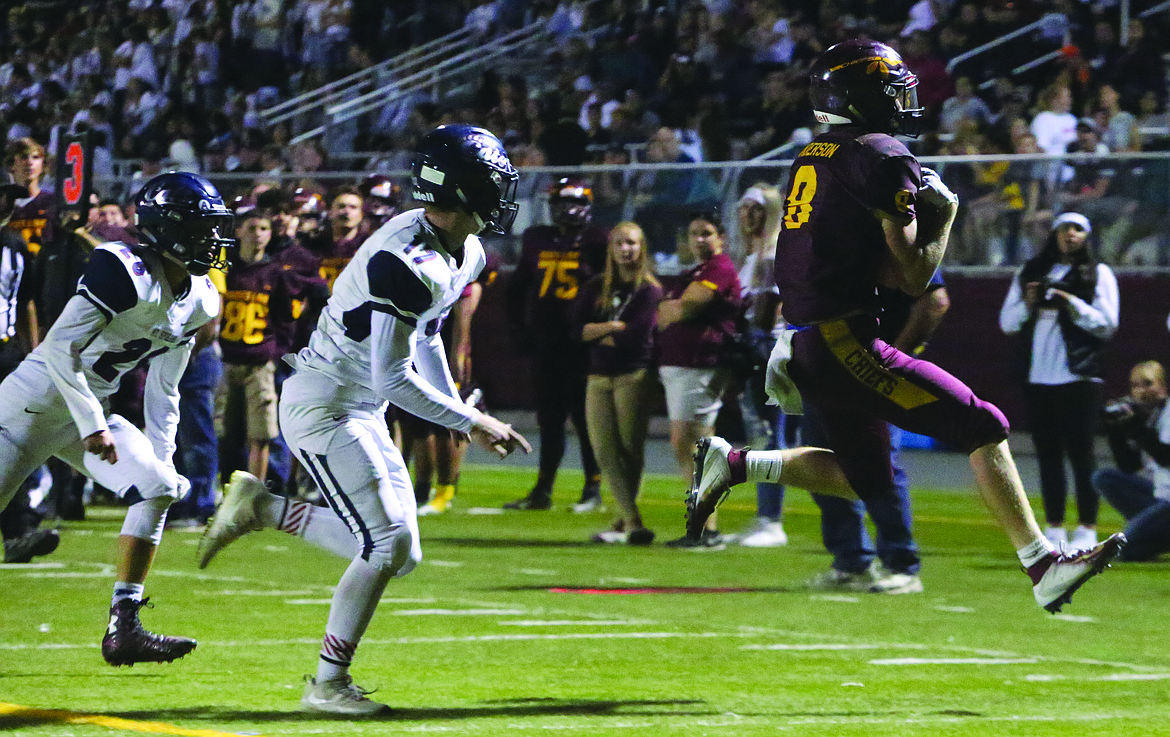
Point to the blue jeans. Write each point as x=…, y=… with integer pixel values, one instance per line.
x=843, y=522
x=279, y=457
x=197, y=455
x=1147, y=517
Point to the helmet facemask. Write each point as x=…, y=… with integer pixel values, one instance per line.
x=907, y=119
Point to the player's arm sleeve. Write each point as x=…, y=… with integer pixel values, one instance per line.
x=891, y=188
x=1015, y=310
x=160, y=402
x=430, y=360
x=395, y=380
x=1102, y=316
x=79, y=323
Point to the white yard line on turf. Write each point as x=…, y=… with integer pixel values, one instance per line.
x=372, y=641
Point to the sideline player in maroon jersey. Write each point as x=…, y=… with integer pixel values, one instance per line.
x=555, y=260
x=257, y=328
x=33, y=217
x=861, y=212
x=338, y=239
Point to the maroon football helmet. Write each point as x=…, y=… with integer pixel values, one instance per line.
x=380, y=197
x=571, y=201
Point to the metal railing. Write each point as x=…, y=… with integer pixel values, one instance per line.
x=458, y=65
x=1051, y=23
x=1130, y=229
x=422, y=70
x=318, y=99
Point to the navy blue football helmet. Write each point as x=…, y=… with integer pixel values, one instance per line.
x=464, y=167
x=865, y=83
x=183, y=216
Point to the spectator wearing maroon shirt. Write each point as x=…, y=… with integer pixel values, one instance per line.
x=344, y=230
x=256, y=329
x=33, y=217
x=696, y=318
x=555, y=260
x=617, y=312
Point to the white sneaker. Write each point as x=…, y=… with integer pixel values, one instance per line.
x=835, y=580
x=765, y=533
x=588, y=504
x=897, y=583
x=1058, y=536
x=710, y=484
x=610, y=537
x=1057, y=576
x=235, y=516
x=1083, y=538
x=339, y=696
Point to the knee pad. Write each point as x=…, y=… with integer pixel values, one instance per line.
x=393, y=552
x=145, y=519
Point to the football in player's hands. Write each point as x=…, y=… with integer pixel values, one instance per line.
x=934, y=192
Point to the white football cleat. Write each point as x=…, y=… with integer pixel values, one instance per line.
x=339, y=696
x=235, y=516
x=1058, y=575
x=710, y=484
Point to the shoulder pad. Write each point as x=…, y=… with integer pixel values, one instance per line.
x=884, y=145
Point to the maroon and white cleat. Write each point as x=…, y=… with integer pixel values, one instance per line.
x=1057, y=576
x=127, y=642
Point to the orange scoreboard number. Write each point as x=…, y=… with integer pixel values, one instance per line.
x=75, y=174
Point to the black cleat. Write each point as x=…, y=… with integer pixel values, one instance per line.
x=127, y=642
x=534, y=501
x=30, y=545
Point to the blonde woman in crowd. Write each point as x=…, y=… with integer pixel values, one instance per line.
x=617, y=311
x=759, y=224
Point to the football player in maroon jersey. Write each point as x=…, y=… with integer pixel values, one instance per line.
x=861, y=213
x=555, y=260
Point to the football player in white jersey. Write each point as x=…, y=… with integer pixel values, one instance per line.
x=378, y=341
x=135, y=303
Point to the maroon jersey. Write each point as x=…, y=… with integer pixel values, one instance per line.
x=831, y=246
x=33, y=219
x=258, y=323
x=334, y=255
x=550, y=272
x=697, y=343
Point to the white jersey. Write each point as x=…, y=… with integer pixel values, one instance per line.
x=124, y=313
x=379, y=333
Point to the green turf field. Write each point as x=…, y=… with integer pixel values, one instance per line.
x=476, y=641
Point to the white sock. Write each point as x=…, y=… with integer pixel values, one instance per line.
x=323, y=528
x=354, y=602
x=317, y=525
x=764, y=465
x=123, y=590
x=1034, y=552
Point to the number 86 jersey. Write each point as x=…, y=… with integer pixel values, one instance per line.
x=831, y=244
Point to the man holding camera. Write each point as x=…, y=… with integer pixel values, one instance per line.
x=1138, y=429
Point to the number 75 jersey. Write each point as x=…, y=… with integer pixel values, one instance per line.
x=124, y=313
x=831, y=244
